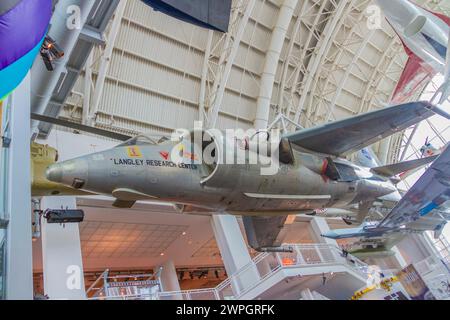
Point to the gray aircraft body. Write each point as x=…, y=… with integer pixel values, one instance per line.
x=312, y=173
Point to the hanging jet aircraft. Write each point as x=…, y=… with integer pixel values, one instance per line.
x=425, y=36
x=312, y=172
x=429, y=150
x=424, y=207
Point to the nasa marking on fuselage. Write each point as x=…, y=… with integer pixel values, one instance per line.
x=153, y=163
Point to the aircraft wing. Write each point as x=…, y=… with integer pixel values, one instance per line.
x=346, y=136
x=401, y=167
x=420, y=208
x=264, y=232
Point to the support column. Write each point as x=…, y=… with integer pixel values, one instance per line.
x=19, y=264
x=61, y=254
x=320, y=226
x=234, y=251
x=383, y=153
x=399, y=258
x=416, y=247
x=169, y=277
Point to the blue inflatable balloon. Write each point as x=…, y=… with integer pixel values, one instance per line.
x=23, y=26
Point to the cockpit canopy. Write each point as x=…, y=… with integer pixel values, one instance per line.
x=143, y=140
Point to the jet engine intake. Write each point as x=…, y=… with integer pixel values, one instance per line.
x=416, y=26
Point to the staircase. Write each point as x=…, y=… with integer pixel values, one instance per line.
x=309, y=272
x=315, y=266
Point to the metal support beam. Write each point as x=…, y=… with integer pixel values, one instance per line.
x=408, y=143
x=87, y=89
x=383, y=152
x=349, y=68
x=310, y=43
x=92, y=35
x=106, y=60
x=201, y=100
x=45, y=82
x=233, y=41
x=329, y=33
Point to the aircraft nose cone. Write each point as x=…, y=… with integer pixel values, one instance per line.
x=71, y=173
x=330, y=234
x=54, y=173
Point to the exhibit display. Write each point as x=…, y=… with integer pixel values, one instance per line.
x=239, y=151
x=196, y=172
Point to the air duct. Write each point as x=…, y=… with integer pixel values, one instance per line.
x=271, y=63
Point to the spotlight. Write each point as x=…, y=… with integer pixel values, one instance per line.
x=50, y=51
x=63, y=216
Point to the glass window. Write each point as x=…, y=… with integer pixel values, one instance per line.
x=138, y=141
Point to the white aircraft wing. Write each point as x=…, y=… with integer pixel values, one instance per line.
x=421, y=207
x=346, y=136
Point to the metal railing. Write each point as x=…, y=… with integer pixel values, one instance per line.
x=120, y=287
x=443, y=247
x=436, y=274
x=94, y=289
x=265, y=265
x=262, y=267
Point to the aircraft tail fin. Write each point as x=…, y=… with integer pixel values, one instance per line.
x=367, y=158
x=401, y=167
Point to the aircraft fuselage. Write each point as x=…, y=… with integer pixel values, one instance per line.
x=143, y=172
